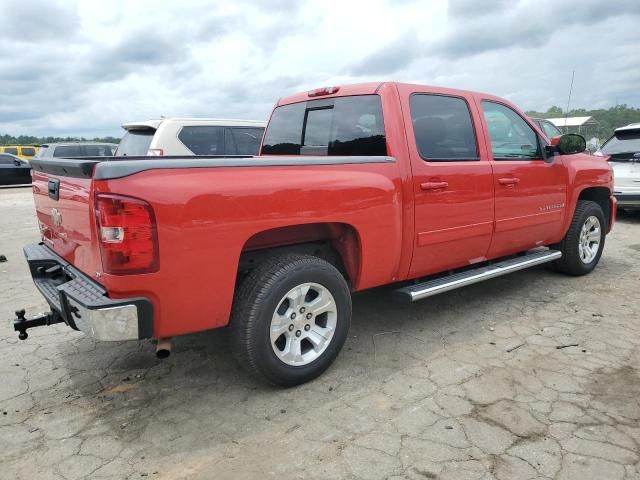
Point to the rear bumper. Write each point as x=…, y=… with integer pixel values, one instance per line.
x=627, y=200
x=83, y=304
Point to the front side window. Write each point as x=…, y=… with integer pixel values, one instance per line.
x=6, y=160
x=443, y=129
x=341, y=126
x=28, y=151
x=11, y=150
x=203, y=140
x=511, y=137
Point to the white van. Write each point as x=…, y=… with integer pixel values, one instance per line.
x=191, y=136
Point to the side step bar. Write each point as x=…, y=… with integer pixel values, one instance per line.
x=429, y=288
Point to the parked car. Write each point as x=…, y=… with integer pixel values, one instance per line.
x=623, y=152
x=14, y=170
x=25, y=152
x=355, y=186
x=191, y=136
x=549, y=129
x=76, y=149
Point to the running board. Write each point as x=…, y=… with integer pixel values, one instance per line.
x=429, y=288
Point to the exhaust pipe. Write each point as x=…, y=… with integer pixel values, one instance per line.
x=163, y=348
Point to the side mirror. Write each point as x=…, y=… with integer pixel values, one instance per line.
x=569, y=144
x=17, y=163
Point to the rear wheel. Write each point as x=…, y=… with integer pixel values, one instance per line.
x=583, y=244
x=290, y=318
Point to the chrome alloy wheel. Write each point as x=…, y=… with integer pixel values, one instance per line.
x=590, y=238
x=303, y=324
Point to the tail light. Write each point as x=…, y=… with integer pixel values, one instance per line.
x=127, y=234
x=155, y=152
x=319, y=92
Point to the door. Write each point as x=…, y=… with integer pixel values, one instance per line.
x=452, y=184
x=530, y=192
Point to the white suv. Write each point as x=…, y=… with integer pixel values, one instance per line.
x=191, y=136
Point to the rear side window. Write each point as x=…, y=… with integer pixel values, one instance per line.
x=68, y=151
x=203, y=140
x=28, y=151
x=135, y=143
x=511, y=137
x=243, y=140
x=340, y=126
x=443, y=128
x=11, y=150
x=83, y=151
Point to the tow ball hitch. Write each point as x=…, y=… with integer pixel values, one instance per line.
x=21, y=324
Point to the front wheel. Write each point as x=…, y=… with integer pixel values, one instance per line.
x=290, y=318
x=583, y=244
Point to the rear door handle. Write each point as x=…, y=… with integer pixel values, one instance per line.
x=434, y=185
x=508, y=181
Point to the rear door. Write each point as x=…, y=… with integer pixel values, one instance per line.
x=452, y=182
x=530, y=192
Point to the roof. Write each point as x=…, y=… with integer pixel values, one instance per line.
x=219, y=122
x=631, y=126
x=572, y=121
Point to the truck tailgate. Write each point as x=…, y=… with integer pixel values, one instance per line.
x=64, y=209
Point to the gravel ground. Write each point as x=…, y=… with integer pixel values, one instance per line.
x=531, y=376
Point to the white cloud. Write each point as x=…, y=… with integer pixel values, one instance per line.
x=86, y=67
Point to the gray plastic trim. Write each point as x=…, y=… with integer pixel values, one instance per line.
x=109, y=170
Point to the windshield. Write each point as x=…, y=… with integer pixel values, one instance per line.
x=135, y=143
x=623, y=142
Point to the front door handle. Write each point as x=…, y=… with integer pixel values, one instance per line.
x=508, y=181
x=434, y=185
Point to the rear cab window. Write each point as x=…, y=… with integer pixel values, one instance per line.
x=350, y=126
x=443, y=128
x=136, y=142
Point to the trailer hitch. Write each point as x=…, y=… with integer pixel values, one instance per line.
x=21, y=324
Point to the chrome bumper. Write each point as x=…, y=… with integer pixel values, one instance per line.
x=83, y=304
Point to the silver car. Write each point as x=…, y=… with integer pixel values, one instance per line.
x=623, y=150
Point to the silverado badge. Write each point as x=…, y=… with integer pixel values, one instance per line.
x=56, y=217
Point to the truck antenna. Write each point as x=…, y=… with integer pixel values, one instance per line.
x=566, y=114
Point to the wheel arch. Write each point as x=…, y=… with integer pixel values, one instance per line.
x=338, y=243
x=601, y=196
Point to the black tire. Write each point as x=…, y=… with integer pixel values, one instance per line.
x=571, y=262
x=256, y=301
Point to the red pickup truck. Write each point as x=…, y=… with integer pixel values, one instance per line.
x=356, y=186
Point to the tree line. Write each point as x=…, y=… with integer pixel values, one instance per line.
x=31, y=140
x=608, y=119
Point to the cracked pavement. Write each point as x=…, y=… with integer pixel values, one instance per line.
x=535, y=375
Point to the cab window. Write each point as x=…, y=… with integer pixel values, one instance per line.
x=443, y=129
x=28, y=151
x=511, y=137
x=336, y=126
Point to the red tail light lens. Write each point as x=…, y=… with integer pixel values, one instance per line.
x=319, y=92
x=127, y=234
x=155, y=152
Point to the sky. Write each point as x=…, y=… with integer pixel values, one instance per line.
x=83, y=68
